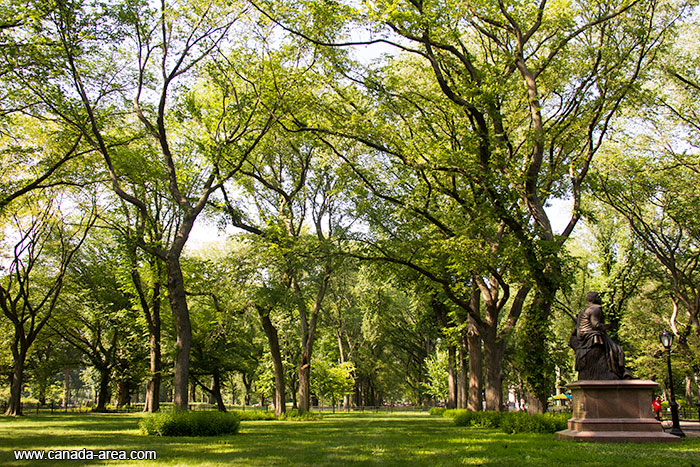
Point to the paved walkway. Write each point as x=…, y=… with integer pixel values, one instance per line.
x=691, y=429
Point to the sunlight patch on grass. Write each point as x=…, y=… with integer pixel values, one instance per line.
x=379, y=439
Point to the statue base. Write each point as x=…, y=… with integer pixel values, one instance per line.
x=614, y=411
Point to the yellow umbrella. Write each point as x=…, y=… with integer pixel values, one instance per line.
x=561, y=397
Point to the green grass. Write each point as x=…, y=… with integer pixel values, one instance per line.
x=355, y=439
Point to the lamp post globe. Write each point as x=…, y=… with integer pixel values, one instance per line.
x=666, y=339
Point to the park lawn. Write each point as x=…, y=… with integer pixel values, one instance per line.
x=365, y=439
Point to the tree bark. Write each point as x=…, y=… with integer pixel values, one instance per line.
x=277, y=364
x=123, y=394
x=538, y=377
x=66, y=387
x=295, y=392
x=183, y=327
x=308, y=334
x=152, y=403
x=248, y=389
x=462, y=375
x=451, y=380
x=493, y=362
x=304, y=383
x=216, y=391
x=103, y=392
x=475, y=369
x=346, y=397
x=14, y=406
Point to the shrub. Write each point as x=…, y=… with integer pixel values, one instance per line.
x=436, y=411
x=295, y=415
x=521, y=422
x=255, y=415
x=512, y=422
x=463, y=418
x=488, y=419
x=450, y=413
x=185, y=423
x=478, y=419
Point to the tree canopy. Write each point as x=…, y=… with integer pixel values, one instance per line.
x=385, y=174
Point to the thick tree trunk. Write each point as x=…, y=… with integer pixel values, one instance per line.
x=14, y=407
x=212, y=398
x=688, y=392
x=451, y=379
x=278, y=365
x=123, y=394
x=103, y=392
x=304, y=385
x=534, y=404
x=183, y=328
x=493, y=362
x=475, y=369
x=538, y=369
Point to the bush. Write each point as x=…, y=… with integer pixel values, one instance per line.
x=248, y=415
x=488, y=419
x=436, y=411
x=520, y=422
x=463, y=418
x=306, y=416
x=478, y=419
x=450, y=413
x=512, y=422
x=185, y=423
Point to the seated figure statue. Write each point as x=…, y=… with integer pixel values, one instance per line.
x=597, y=356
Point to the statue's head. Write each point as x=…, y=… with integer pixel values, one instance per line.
x=593, y=297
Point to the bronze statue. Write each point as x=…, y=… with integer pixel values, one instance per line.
x=597, y=356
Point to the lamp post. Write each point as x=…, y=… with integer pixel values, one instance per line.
x=666, y=339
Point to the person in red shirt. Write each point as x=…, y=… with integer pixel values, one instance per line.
x=656, y=405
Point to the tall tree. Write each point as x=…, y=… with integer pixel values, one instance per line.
x=297, y=192
x=133, y=69
x=41, y=246
x=529, y=90
x=97, y=319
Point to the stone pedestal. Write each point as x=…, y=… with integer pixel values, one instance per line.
x=614, y=411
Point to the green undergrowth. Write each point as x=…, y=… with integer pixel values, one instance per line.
x=294, y=415
x=510, y=422
x=386, y=439
x=190, y=423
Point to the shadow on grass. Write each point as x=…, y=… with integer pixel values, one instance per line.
x=341, y=439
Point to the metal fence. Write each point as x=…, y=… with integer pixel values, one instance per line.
x=31, y=407
x=691, y=413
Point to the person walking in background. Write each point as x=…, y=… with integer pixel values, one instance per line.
x=656, y=404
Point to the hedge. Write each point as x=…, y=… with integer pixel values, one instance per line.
x=190, y=423
x=511, y=422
